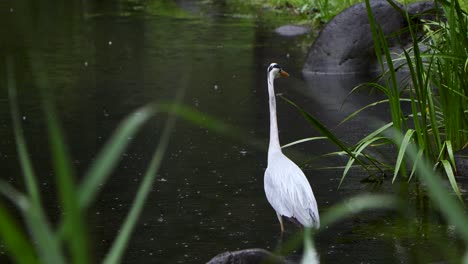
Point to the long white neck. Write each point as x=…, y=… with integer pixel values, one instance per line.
x=274, y=145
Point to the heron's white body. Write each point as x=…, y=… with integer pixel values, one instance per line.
x=289, y=192
x=286, y=186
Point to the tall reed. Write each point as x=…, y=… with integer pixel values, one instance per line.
x=437, y=88
x=436, y=93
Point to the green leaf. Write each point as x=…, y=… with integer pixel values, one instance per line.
x=354, y=206
x=310, y=255
x=352, y=115
x=110, y=154
x=115, y=253
x=15, y=240
x=451, y=209
x=75, y=231
x=375, y=133
x=377, y=86
x=451, y=156
x=200, y=119
x=117, y=249
x=336, y=213
x=302, y=141
x=15, y=197
x=449, y=171
x=415, y=163
x=401, y=152
x=357, y=153
x=25, y=162
x=318, y=125
x=35, y=217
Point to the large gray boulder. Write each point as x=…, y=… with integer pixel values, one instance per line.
x=345, y=44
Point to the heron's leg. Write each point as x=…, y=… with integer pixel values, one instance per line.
x=281, y=222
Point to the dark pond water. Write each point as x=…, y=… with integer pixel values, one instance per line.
x=105, y=59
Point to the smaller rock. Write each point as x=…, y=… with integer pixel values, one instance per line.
x=292, y=30
x=246, y=256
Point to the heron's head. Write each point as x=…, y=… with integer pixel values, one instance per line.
x=276, y=70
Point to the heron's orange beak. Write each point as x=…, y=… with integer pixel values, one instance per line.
x=283, y=73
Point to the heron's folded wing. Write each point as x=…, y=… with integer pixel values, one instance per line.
x=290, y=194
x=277, y=193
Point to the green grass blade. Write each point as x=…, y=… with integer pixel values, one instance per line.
x=103, y=165
x=15, y=240
x=357, y=153
x=442, y=152
x=17, y=198
x=451, y=156
x=118, y=247
x=360, y=86
x=25, y=162
x=329, y=154
x=212, y=124
x=394, y=98
x=420, y=132
x=342, y=153
x=200, y=119
x=75, y=231
x=108, y=157
x=449, y=171
x=303, y=141
x=377, y=86
x=415, y=163
x=450, y=208
x=36, y=221
x=318, y=125
x=375, y=133
x=377, y=47
x=432, y=118
x=352, y=115
x=382, y=51
x=75, y=228
x=310, y=255
x=354, y=206
x=401, y=152
x=116, y=252
x=344, y=209
x=459, y=93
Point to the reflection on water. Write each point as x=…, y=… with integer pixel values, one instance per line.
x=106, y=59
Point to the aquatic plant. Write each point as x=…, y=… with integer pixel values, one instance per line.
x=450, y=208
x=312, y=10
x=436, y=93
x=436, y=90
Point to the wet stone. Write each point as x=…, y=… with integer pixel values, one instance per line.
x=345, y=44
x=247, y=256
x=292, y=30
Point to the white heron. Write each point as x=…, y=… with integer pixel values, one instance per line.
x=286, y=186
